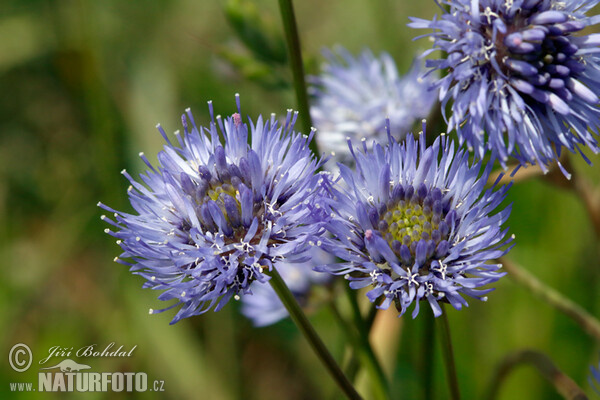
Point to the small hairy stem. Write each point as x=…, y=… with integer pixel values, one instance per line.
x=448, y=355
x=293, y=42
x=547, y=294
x=544, y=365
x=300, y=319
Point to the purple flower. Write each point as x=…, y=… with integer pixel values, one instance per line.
x=354, y=96
x=522, y=79
x=264, y=308
x=416, y=223
x=214, y=215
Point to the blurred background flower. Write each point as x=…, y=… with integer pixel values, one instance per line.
x=353, y=97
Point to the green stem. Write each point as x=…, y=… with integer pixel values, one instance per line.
x=448, y=355
x=356, y=314
x=547, y=294
x=544, y=365
x=379, y=384
x=370, y=318
x=373, y=365
x=293, y=42
x=427, y=355
x=300, y=319
x=353, y=365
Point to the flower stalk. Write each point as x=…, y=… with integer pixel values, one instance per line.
x=448, y=356
x=544, y=365
x=557, y=300
x=427, y=357
x=293, y=42
x=373, y=365
x=300, y=319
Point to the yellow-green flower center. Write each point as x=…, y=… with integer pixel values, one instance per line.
x=412, y=221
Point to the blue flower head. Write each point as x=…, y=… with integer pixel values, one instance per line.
x=354, y=96
x=264, y=308
x=522, y=78
x=215, y=215
x=415, y=223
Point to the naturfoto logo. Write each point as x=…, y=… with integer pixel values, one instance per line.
x=68, y=375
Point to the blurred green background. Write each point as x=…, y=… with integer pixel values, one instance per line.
x=82, y=86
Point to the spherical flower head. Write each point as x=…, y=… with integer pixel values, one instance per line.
x=354, y=96
x=215, y=215
x=522, y=77
x=415, y=222
x=264, y=308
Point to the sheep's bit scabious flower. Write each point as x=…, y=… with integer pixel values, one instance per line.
x=415, y=222
x=522, y=77
x=354, y=96
x=213, y=216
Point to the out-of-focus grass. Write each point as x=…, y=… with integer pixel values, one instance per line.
x=84, y=84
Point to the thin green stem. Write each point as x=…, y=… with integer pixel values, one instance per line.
x=353, y=365
x=356, y=314
x=587, y=321
x=448, y=355
x=372, y=363
x=370, y=318
x=544, y=365
x=293, y=42
x=300, y=319
x=378, y=382
x=427, y=356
